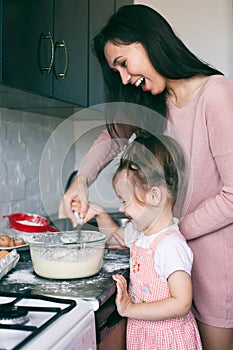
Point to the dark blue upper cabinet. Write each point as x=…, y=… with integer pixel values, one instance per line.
x=26, y=47
x=71, y=51
x=46, y=47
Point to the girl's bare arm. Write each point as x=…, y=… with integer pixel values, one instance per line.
x=177, y=305
x=114, y=233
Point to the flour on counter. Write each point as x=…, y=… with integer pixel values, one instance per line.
x=22, y=276
x=98, y=287
x=113, y=267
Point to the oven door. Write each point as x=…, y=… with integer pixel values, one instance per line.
x=73, y=331
x=81, y=336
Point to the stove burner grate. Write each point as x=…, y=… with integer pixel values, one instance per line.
x=13, y=315
x=21, y=313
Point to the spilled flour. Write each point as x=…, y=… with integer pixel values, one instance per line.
x=22, y=276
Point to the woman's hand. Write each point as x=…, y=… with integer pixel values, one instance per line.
x=123, y=301
x=76, y=195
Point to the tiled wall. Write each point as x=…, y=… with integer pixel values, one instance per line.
x=24, y=140
x=37, y=155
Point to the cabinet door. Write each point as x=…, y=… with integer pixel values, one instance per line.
x=0, y=42
x=27, y=30
x=71, y=51
x=99, y=13
x=119, y=3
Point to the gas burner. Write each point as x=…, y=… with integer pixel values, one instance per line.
x=45, y=322
x=13, y=315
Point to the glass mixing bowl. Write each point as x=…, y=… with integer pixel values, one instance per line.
x=67, y=255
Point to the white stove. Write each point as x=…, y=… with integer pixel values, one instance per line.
x=35, y=322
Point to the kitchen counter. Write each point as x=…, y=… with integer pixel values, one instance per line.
x=98, y=288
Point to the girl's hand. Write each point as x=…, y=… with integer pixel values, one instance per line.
x=94, y=210
x=123, y=301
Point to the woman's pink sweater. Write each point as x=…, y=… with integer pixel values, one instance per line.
x=205, y=127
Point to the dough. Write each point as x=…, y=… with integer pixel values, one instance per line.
x=6, y=241
x=3, y=253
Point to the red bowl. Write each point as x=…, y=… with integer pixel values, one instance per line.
x=28, y=222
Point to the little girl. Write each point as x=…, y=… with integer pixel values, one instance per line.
x=158, y=300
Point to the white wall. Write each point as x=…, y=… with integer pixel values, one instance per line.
x=206, y=27
x=24, y=185
x=37, y=155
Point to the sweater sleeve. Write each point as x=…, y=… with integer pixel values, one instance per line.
x=103, y=150
x=217, y=212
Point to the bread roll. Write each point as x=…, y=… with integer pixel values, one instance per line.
x=3, y=253
x=19, y=241
x=6, y=241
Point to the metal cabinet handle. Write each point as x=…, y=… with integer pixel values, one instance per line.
x=63, y=46
x=50, y=38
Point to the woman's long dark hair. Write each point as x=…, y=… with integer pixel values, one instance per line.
x=168, y=54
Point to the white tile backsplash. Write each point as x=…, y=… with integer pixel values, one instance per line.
x=37, y=155
x=23, y=139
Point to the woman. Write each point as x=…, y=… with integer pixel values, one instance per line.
x=143, y=62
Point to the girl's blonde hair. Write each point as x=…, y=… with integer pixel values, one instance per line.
x=153, y=161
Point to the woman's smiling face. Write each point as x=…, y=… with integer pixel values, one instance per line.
x=133, y=64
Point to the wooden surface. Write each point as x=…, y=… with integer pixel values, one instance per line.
x=116, y=339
